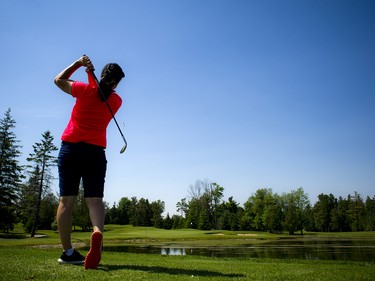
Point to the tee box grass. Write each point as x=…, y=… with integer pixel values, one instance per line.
x=36, y=259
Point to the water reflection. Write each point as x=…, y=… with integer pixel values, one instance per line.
x=173, y=251
x=350, y=250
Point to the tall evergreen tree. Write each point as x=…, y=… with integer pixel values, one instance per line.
x=167, y=222
x=28, y=199
x=205, y=217
x=133, y=211
x=157, y=209
x=204, y=222
x=143, y=212
x=322, y=211
x=339, y=215
x=370, y=214
x=229, y=219
x=356, y=212
x=42, y=157
x=10, y=172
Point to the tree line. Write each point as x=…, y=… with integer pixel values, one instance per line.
x=26, y=197
x=264, y=210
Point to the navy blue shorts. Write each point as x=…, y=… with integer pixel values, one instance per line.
x=84, y=161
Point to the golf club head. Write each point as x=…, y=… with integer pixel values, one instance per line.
x=123, y=149
x=125, y=144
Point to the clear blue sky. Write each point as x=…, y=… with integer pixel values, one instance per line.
x=248, y=94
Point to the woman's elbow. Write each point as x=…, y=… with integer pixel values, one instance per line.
x=59, y=83
x=56, y=81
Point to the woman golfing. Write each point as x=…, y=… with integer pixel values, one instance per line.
x=82, y=153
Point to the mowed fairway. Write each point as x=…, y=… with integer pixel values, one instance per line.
x=36, y=259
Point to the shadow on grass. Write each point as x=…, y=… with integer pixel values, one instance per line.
x=170, y=271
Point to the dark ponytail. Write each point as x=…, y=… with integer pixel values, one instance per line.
x=111, y=75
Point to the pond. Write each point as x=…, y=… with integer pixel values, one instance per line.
x=349, y=250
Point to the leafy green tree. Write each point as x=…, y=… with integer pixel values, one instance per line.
x=124, y=210
x=296, y=202
x=258, y=204
x=247, y=220
x=42, y=157
x=48, y=209
x=10, y=173
x=225, y=218
x=272, y=213
x=28, y=201
x=302, y=200
x=193, y=214
x=290, y=213
x=238, y=219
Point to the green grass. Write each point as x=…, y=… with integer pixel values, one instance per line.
x=41, y=264
x=36, y=258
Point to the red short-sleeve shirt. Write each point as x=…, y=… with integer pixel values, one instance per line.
x=90, y=116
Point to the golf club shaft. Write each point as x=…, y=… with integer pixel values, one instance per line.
x=106, y=102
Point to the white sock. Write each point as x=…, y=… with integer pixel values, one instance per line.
x=69, y=252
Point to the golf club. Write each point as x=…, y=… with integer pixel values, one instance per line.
x=110, y=110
